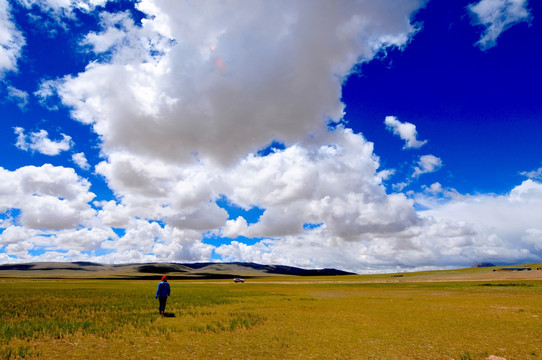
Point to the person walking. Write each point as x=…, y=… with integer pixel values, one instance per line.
x=162, y=292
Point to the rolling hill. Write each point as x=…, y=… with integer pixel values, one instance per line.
x=206, y=270
x=217, y=271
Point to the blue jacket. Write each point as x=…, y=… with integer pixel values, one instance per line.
x=163, y=289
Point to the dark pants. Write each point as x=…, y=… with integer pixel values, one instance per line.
x=163, y=300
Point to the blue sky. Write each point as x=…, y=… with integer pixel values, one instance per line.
x=364, y=136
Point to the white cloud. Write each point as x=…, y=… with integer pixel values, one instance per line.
x=533, y=238
x=82, y=239
x=19, y=97
x=48, y=90
x=458, y=232
x=113, y=214
x=11, y=40
x=437, y=190
x=512, y=221
x=534, y=174
x=427, y=164
x=405, y=131
x=361, y=227
x=166, y=94
x=386, y=174
x=148, y=241
x=234, y=228
x=335, y=184
x=50, y=213
x=39, y=141
x=48, y=197
x=63, y=8
x=203, y=219
x=498, y=16
x=54, y=16
x=399, y=186
x=16, y=234
x=183, y=103
x=119, y=32
x=81, y=160
x=48, y=208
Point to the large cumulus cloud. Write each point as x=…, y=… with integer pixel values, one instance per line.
x=217, y=80
x=450, y=233
x=47, y=215
x=47, y=207
x=183, y=101
x=335, y=184
x=47, y=197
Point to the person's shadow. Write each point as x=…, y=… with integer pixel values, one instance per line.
x=169, y=314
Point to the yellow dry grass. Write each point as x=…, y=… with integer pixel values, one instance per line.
x=282, y=318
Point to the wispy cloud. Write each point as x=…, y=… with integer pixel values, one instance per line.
x=62, y=9
x=534, y=174
x=18, y=96
x=497, y=16
x=47, y=94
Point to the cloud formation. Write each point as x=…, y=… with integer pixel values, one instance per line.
x=62, y=8
x=405, y=131
x=40, y=142
x=534, y=174
x=19, y=97
x=497, y=16
x=11, y=40
x=182, y=103
x=47, y=197
x=450, y=233
x=81, y=160
x=427, y=164
x=333, y=184
x=166, y=92
x=48, y=209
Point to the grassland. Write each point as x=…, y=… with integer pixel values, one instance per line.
x=351, y=317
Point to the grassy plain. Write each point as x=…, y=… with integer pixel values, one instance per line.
x=352, y=317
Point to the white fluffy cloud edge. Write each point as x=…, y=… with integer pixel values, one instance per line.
x=497, y=16
x=182, y=105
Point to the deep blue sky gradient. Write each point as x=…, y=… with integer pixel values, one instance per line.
x=479, y=110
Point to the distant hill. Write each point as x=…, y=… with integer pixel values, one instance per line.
x=483, y=264
x=207, y=270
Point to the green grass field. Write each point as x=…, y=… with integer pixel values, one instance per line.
x=281, y=318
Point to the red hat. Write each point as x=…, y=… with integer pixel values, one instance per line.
x=164, y=278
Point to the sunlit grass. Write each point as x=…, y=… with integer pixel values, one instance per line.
x=85, y=319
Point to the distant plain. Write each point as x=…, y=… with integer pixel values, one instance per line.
x=461, y=314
